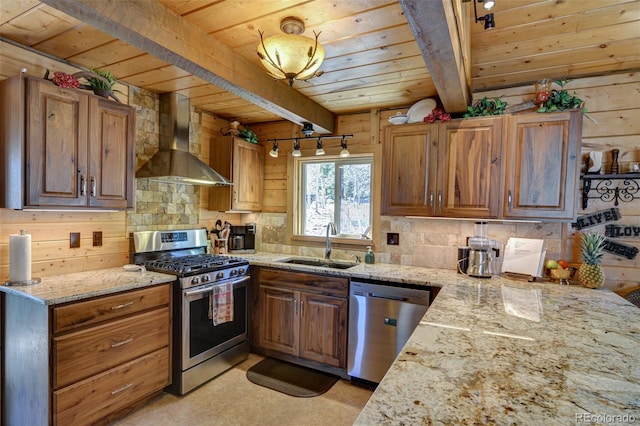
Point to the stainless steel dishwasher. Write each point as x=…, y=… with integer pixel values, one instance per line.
x=381, y=319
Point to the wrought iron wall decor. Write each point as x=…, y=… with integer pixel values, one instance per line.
x=626, y=189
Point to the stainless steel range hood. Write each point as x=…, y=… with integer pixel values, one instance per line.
x=173, y=163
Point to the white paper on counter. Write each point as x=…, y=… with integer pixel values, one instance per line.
x=524, y=256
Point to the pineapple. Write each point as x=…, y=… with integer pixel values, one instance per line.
x=591, y=274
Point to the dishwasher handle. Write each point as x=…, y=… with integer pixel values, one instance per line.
x=387, y=297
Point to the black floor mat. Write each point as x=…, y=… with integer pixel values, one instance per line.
x=289, y=378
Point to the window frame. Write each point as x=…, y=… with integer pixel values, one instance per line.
x=293, y=194
x=300, y=177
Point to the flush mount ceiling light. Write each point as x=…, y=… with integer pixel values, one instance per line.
x=488, y=19
x=291, y=56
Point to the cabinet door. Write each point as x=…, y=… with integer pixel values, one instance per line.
x=407, y=170
x=243, y=164
x=542, y=165
x=248, y=175
x=56, y=146
x=469, y=165
x=111, y=154
x=279, y=328
x=323, y=329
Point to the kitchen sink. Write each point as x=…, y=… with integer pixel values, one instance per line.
x=318, y=262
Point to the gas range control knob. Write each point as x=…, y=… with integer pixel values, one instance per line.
x=220, y=275
x=205, y=278
x=241, y=271
x=233, y=272
x=195, y=280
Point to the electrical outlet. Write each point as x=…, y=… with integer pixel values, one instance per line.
x=74, y=240
x=97, y=238
x=393, y=238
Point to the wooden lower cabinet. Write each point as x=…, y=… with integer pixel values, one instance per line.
x=89, y=362
x=96, y=398
x=303, y=316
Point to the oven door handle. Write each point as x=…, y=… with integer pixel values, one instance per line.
x=208, y=287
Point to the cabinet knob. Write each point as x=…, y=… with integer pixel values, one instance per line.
x=83, y=185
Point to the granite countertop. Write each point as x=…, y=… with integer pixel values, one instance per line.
x=501, y=351
x=58, y=289
x=488, y=351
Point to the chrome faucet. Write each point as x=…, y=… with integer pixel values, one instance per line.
x=327, y=251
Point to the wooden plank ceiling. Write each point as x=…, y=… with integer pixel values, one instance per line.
x=372, y=57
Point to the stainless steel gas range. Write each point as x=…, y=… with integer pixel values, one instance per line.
x=210, y=299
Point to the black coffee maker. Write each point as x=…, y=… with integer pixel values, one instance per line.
x=242, y=237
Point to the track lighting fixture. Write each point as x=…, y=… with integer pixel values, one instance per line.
x=307, y=129
x=274, y=151
x=296, y=148
x=488, y=19
x=344, y=152
x=319, y=149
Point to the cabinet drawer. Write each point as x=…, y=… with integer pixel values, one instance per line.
x=97, y=397
x=87, y=352
x=321, y=284
x=80, y=314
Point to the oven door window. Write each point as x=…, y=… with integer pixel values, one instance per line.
x=202, y=338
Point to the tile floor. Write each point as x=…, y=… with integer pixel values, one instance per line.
x=231, y=399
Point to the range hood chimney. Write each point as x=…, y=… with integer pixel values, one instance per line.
x=173, y=163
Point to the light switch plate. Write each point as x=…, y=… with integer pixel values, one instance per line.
x=74, y=240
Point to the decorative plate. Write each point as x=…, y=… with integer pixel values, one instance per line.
x=420, y=110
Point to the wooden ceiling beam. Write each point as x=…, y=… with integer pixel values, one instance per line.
x=439, y=32
x=153, y=28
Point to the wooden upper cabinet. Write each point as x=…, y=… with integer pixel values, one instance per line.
x=408, y=165
x=469, y=164
x=111, y=154
x=78, y=148
x=242, y=163
x=542, y=156
x=56, y=149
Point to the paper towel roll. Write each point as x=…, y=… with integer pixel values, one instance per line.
x=20, y=257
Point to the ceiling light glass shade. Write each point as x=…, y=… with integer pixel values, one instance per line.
x=291, y=56
x=319, y=149
x=488, y=4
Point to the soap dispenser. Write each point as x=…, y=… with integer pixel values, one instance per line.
x=369, y=257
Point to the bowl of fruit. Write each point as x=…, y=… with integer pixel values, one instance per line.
x=560, y=271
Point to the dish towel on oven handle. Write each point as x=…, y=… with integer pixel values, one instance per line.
x=221, y=303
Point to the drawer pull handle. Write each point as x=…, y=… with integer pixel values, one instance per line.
x=125, y=387
x=124, y=305
x=123, y=342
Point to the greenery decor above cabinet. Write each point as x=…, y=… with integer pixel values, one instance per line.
x=448, y=169
x=542, y=165
x=242, y=163
x=64, y=148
